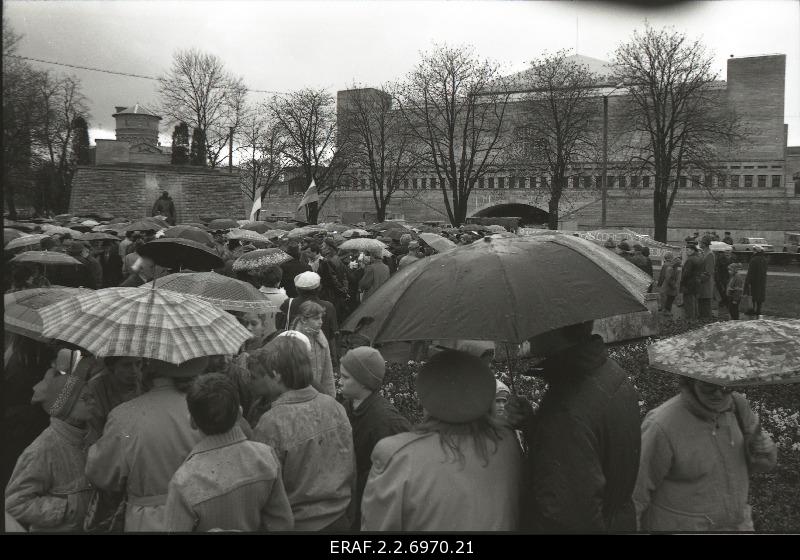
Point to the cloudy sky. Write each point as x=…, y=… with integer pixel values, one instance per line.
x=283, y=46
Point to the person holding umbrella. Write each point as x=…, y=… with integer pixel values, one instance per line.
x=755, y=283
x=691, y=280
x=144, y=442
x=698, y=450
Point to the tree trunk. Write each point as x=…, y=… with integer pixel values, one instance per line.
x=552, y=209
x=380, y=213
x=312, y=212
x=660, y=215
x=12, y=207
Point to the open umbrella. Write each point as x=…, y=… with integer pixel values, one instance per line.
x=496, y=228
x=365, y=244
x=24, y=227
x=306, y=231
x=222, y=223
x=154, y=324
x=437, y=242
x=260, y=227
x=260, y=259
x=220, y=291
x=10, y=234
x=383, y=226
x=26, y=241
x=504, y=290
x=193, y=233
x=351, y=232
x=246, y=234
x=99, y=236
x=274, y=233
x=176, y=252
x=280, y=224
x=733, y=353
x=148, y=224
x=22, y=308
x=46, y=258
x=50, y=229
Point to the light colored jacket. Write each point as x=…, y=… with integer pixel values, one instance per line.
x=48, y=490
x=228, y=483
x=312, y=437
x=693, y=473
x=144, y=442
x=414, y=486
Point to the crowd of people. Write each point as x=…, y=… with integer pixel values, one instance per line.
x=293, y=433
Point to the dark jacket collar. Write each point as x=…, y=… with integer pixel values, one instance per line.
x=365, y=405
x=578, y=360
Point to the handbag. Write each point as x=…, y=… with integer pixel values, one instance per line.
x=106, y=512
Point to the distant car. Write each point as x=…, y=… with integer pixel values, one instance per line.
x=720, y=246
x=749, y=244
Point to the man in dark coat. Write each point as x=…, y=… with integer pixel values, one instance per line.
x=291, y=269
x=584, y=439
x=333, y=274
x=690, y=281
x=165, y=206
x=371, y=416
x=755, y=284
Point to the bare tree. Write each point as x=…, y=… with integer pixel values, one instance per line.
x=380, y=141
x=555, y=123
x=455, y=103
x=306, y=120
x=676, y=111
x=262, y=147
x=199, y=91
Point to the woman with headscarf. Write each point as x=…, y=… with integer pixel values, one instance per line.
x=698, y=450
x=309, y=322
x=460, y=470
x=48, y=490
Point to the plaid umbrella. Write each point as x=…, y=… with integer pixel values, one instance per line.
x=437, y=242
x=185, y=231
x=151, y=324
x=222, y=223
x=733, y=353
x=22, y=308
x=246, y=234
x=364, y=244
x=260, y=259
x=26, y=241
x=220, y=291
x=176, y=252
x=99, y=236
x=45, y=258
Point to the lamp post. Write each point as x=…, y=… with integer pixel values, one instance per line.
x=604, y=186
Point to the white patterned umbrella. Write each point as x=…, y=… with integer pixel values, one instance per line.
x=364, y=244
x=260, y=259
x=733, y=353
x=50, y=229
x=219, y=290
x=246, y=235
x=150, y=323
x=45, y=258
x=26, y=241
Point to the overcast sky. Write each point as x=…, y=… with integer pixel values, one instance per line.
x=284, y=46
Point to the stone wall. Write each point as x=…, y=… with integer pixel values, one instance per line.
x=130, y=191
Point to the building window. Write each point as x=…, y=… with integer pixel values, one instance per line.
x=696, y=181
x=762, y=181
x=635, y=182
x=709, y=181
x=512, y=182
x=622, y=180
x=776, y=181
x=587, y=182
x=481, y=185
x=405, y=184
x=516, y=182
x=735, y=181
x=748, y=181
x=543, y=182
x=683, y=182
x=777, y=167
x=501, y=182
x=532, y=182
x=749, y=166
x=355, y=184
x=414, y=183
x=646, y=182
x=736, y=167
x=722, y=181
x=491, y=182
x=598, y=182
x=423, y=183
x=610, y=181
x=762, y=167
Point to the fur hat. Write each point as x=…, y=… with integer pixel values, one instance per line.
x=365, y=365
x=456, y=387
x=501, y=387
x=307, y=281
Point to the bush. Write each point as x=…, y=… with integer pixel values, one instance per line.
x=775, y=496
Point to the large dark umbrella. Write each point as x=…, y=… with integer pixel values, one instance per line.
x=148, y=224
x=9, y=234
x=504, y=290
x=99, y=236
x=222, y=223
x=184, y=231
x=175, y=252
x=260, y=227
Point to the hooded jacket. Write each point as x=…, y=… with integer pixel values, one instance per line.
x=584, y=443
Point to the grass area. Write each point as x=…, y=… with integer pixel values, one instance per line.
x=783, y=296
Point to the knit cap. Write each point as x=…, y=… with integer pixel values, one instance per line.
x=365, y=365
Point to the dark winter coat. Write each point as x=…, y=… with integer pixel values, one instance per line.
x=164, y=206
x=585, y=443
x=690, y=277
x=291, y=269
x=756, y=282
x=374, y=419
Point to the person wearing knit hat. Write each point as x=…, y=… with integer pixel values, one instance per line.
x=460, y=470
x=144, y=442
x=371, y=416
x=502, y=392
x=48, y=490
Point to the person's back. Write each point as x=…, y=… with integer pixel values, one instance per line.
x=312, y=437
x=375, y=275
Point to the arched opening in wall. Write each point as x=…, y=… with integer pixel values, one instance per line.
x=528, y=215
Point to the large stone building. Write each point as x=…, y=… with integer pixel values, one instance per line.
x=757, y=189
x=131, y=172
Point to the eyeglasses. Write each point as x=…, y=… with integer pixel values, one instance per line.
x=711, y=388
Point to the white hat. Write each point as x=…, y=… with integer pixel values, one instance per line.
x=307, y=281
x=501, y=387
x=298, y=335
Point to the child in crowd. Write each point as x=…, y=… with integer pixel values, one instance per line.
x=226, y=482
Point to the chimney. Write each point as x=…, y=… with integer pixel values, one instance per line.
x=119, y=109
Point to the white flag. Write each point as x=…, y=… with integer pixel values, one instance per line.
x=256, y=204
x=311, y=195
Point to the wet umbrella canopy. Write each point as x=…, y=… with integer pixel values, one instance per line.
x=176, y=252
x=190, y=232
x=437, y=242
x=734, y=353
x=505, y=290
x=260, y=259
x=22, y=308
x=220, y=291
